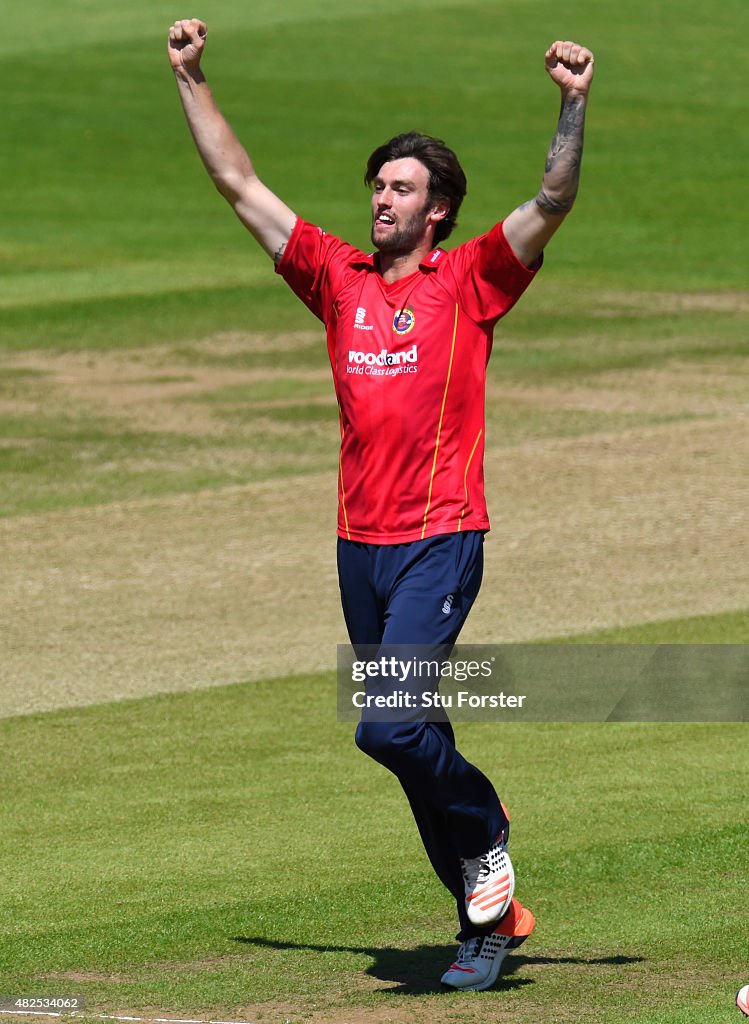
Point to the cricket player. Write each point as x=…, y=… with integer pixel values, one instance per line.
x=409, y=333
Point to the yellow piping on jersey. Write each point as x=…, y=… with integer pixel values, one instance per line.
x=343, y=489
x=439, y=425
x=465, y=477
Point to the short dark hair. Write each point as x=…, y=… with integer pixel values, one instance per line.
x=446, y=178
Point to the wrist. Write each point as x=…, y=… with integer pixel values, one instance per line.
x=572, y=94
x=191, y=75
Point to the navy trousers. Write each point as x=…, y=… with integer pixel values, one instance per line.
x=421, y=593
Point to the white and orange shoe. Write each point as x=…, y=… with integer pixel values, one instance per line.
x=489, y=884
x=742, y=1000
x=479, y=960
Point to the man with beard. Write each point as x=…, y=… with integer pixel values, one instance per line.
x=409, y=332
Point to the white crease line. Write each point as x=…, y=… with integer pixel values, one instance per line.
x=108, y=1016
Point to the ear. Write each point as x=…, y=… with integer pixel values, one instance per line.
x=439, y=211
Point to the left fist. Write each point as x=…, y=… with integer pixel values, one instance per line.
x=570, y=66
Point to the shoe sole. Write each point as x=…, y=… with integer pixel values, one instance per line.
x=518, y=923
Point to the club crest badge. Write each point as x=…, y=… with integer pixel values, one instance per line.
x=404, y=321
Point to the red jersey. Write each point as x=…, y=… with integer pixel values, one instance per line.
x=409, y=367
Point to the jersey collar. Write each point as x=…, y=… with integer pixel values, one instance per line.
x=430, y=262
x=433, y=260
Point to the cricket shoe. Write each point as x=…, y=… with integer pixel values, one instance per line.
x=479, y=959
x=489, y=884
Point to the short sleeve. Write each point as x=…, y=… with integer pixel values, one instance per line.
x=313, y=265
x=489, y=277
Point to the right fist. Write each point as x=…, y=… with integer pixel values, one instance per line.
x=186, y=42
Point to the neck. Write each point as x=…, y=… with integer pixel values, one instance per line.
x=395, y=265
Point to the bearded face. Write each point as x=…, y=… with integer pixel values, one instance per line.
x=402, y=210
x=392, y=232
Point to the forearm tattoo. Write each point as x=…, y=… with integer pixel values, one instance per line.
x=562, y=172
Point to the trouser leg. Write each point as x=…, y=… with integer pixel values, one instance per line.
x=452, y=791
x=455, y=806
x=437, y=837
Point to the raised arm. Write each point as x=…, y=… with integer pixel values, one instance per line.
x=270, y=221
x=530, y=227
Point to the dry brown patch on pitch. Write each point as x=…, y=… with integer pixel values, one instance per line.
x=202, y=589
x=614, y=304
x=674, y=390
x=639, y=526
x=17, y=407
x=157, y=388
x=168, y=594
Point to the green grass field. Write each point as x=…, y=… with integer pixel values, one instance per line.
x=226, y=852
x=184, y=855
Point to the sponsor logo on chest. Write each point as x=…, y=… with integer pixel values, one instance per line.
x=383, y=363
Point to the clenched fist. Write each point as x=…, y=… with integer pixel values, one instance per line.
x=570, y=66
x=186, y=43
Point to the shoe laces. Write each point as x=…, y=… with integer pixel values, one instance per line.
x=478, y=869
x=469, y=950
x=483, y=867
